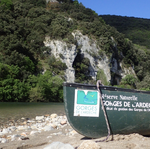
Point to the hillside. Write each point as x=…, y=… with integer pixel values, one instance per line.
x=33, y=70
x=136, y=29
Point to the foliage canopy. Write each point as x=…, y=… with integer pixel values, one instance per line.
x=23, y=27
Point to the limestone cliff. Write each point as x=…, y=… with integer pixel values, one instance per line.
x=89, y=49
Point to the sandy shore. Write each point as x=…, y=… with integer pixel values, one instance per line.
x=66, y=134
x=132, y=141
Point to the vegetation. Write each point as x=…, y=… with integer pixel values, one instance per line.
x=128, y=82
x=101, y=76
x=81, y=66
x=45, y=87
x=23, y=27
x=136, y=29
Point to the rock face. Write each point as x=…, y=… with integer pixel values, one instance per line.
x=69, y=53
x=89, y=49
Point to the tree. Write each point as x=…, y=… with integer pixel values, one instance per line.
x=129, y=80
x=11, y=88
x=7, y=4
x=46, y=88
x=75, y=2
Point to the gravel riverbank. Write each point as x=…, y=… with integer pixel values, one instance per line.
x=44, y=131
x=30, y=133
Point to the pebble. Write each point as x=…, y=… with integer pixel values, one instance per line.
x=13, y=128
x=21, y=127
x=24, y=123
x=33, y=132
x=14, y=137
x=46, y=115
x=23, y=134
x=73, y=132
x=49, y=137
x=59, y=145
x=3, y=140
x=24, y=138
x=30, y=127
x=53, y=116
x=53, y=125
x=38, y=118
x=30, y=121
x=63, y=122
x=5, y=131
x=48, y=128
x=88, y=145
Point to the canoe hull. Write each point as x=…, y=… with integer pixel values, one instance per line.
x=128, y=111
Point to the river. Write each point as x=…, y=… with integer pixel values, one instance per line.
x=14, y=111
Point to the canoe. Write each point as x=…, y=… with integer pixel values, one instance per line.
x=127, y=111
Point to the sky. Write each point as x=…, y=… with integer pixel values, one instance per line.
x=129, y=8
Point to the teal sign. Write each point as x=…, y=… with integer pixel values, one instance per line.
x=87, y=97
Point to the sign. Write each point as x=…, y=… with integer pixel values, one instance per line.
x=129, y=102
x=86, y=103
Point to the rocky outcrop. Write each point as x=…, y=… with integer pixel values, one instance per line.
x=89, y=49
x=53, y=1
x=68, y=53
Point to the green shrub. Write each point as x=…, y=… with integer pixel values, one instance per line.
x=129, y=80
x=7, y=4
x=46, y=88
x=56, y=65
x=11, y=87
x=101, y=76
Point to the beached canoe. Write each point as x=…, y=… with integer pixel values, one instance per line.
x=127, y=111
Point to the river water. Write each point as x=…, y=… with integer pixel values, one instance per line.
x=14, y=111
